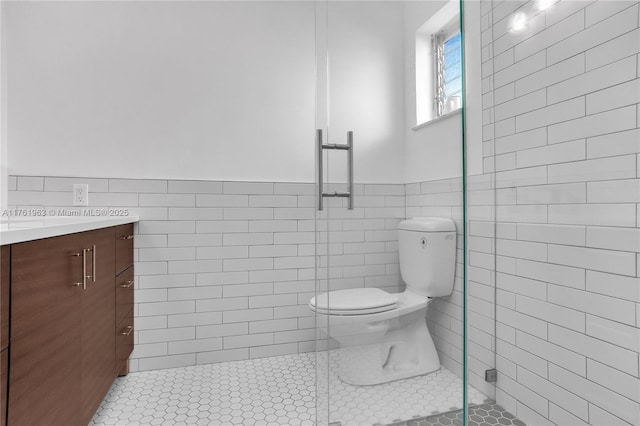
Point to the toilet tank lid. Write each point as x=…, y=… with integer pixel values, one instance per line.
x=428, y=224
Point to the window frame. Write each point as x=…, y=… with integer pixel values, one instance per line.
x=438, y=40
x=447, y=17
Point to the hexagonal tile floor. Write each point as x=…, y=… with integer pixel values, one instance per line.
x=490, y=414
x=271, y=391
x=276, y=390
x=421, y=396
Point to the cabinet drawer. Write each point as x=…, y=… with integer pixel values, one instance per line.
x=124, y=340
x=124, y=247
x=124, y=294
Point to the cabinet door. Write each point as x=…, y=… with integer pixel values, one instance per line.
x=4, y=377
x=46, y=332
x=5, y=279
x=5, y=283
x=98, y=319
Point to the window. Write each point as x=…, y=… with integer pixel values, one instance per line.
x=447, y=49
x=438, y=65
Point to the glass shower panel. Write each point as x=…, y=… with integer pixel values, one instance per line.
x=321, y=219
x=553, y=231
x=371, y=368
x=480, y=194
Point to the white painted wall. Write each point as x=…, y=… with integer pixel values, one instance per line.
x=197, y=90
x=366, y=73
x=4, y=176
x=434, y=151
x=168, y=89
x=473, y=82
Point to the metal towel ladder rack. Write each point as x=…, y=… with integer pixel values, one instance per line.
x=346, y=147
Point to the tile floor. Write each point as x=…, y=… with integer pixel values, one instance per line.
x=270, y=391
x=490, y=414
x=386, y=403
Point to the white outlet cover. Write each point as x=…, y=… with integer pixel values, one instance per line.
x=80, y=194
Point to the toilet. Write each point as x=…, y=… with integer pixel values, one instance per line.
x=384, y=336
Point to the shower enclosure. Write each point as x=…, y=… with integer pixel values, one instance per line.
x=538, y=170
x=376, y=169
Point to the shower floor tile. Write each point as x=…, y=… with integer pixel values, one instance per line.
x=270, y=391
x=479, y=415
x=421, y=396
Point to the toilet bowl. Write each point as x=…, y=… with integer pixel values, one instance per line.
x=384, y=336
x=379, y=347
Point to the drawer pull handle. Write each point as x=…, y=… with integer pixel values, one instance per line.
x=84, y=269
x=126, y=284
x=127, y=237
x=127, y=331
x=83, y=283
x=93, y=263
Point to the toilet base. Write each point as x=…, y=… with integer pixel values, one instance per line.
x=401, y=353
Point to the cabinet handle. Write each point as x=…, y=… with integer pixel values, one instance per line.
x=84, y=268
x=127, y=237
x=93, y=262
x=127, y=284
x=80, y=284
x=127, y=331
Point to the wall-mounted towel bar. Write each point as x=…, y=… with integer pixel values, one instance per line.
x=346, y=147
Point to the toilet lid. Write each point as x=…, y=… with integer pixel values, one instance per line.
x=355, y=301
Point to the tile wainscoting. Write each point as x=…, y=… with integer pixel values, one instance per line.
x=225, y=270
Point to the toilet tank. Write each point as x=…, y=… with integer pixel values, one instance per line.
x=428, y=255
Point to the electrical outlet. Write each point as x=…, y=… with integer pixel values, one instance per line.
x=80, y=195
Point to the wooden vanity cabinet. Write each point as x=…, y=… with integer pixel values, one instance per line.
x=124, y=297
x=5, y=281
x=63, y=345
x=5, y=285
x=98, y=317
x=46, y=331
x=4, y=385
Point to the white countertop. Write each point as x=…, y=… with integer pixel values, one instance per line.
x=18, y=230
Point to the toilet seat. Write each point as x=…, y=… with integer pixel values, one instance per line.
x=355, y=301
x=354, y=311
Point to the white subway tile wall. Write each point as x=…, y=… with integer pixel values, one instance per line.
x=565, y=256
x=225, y=270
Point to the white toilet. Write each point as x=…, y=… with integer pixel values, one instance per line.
x=383, y=336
